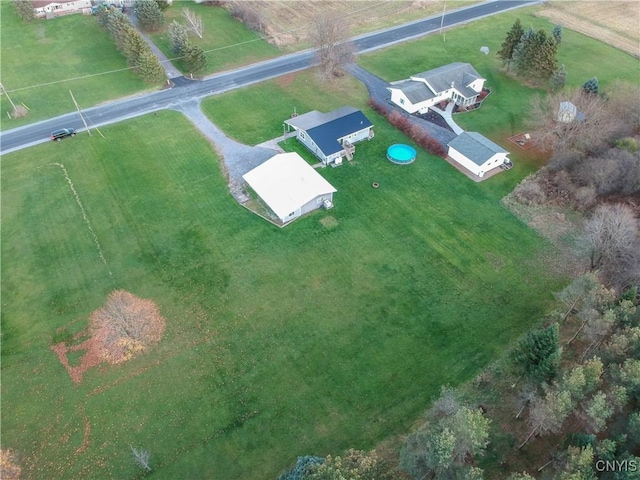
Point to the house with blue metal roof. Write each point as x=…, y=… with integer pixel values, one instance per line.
x=477, y=153
x=331, y=136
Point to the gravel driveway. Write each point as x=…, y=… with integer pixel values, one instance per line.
x=238, y=158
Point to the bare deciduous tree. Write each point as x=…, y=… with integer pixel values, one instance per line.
x=330, y=35
x=555, y=130
x=611, y=242
x=141, y=457
x=125, y=326
x=194, y=22
x=548, y=414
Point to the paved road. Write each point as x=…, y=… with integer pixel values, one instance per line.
x=186, y=90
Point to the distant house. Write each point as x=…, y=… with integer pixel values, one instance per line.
x=290, y=187
x=458, y=82
x=568, y=112
x=477, y=153
x=331, y=136
x=49, y=8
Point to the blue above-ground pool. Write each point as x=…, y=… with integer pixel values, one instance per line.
x=401, y=154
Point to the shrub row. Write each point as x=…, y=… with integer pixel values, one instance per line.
x=414, y=132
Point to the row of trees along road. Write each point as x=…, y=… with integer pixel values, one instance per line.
x=131, y=44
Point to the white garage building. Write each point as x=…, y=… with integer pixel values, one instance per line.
x=476, y=153
x=290, y=187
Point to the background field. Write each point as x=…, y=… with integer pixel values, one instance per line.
x=616, y=24
x=279, y=343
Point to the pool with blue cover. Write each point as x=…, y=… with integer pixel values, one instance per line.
x=401, y=154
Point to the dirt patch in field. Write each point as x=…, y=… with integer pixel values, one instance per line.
x=286, y=80
x=613, y=23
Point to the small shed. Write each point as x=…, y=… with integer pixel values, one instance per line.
x=568, y=112
x=289, y=186
x=477, y=153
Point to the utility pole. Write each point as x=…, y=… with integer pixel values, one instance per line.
x=442, y=20
x=79, y=112
x=2, y=89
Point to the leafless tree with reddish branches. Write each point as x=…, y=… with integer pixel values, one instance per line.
x=125, y=326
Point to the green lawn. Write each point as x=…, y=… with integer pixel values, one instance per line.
x=279, y=342
x=226, y=41
x=44, y=59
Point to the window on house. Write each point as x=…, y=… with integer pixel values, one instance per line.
x=402, y=101
x=303, y=135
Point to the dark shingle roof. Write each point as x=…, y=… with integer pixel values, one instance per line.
x=326, y=135
x=475, y=147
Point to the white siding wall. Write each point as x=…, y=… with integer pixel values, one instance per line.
x=477, y=85
x=400, y=99
x=476, y=169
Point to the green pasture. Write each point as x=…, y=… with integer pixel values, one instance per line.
x=44, y=59
x=333, y=332
x=226, y=41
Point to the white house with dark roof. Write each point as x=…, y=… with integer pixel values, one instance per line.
x=476, y=153
x=458, y=82
x=290, y=187
x=50, y=8
x=331, y=136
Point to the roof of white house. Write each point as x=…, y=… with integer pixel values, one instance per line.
x=286, y=182
x=457, y=74
x=476, y=147
x=426, y=85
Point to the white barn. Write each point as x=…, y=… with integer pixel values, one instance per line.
x=458, y=82
x=476, y=153
x=289, y=186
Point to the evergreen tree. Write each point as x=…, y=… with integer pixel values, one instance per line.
x=194, y=58
x=513, y=38
x=544, y=62
x=24, y=9
x=557, y=33
x=149, y=68
x=178, y=37
x=162, y=4
x=149, y=14
x=133, y=45
x=559, y=78
x=521, y=57
x=591, y=86
x=538, y=353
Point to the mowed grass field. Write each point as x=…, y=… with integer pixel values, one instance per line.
x=334, y=332
x=227, y=42
x=44, y=59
